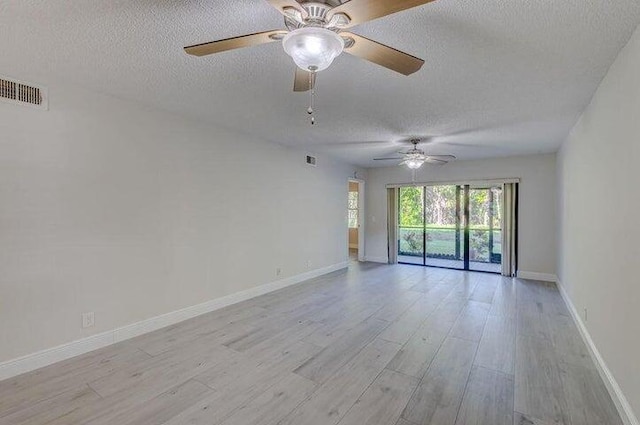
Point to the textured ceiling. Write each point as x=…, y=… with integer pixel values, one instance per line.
x=502, y=77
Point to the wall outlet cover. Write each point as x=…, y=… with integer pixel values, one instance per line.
x=88, y=319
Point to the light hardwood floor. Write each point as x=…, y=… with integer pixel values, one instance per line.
x=383, y=345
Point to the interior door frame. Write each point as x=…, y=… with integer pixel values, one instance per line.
x=361, y=216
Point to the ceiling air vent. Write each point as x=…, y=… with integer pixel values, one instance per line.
x=20, y=93
x=311, y=160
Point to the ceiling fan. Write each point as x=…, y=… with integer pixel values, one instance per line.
x=415, y=157
x=316, y=34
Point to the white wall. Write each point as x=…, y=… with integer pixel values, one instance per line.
x=537, y=219
x=111, y=207
x=599, y=207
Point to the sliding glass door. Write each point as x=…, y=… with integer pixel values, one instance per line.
x=452, y=226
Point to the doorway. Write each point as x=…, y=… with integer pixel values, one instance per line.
x=355, y=215
x=451, y=226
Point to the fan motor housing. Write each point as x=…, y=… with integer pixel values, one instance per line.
x=317, y=16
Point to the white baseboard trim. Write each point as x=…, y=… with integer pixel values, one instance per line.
x=383, y=260
x=14, y=367
x=66, y=351
x=618, y=397
x=545, y=277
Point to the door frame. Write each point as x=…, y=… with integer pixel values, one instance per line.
x=361, y=216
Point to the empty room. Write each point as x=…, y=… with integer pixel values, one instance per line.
x=331, y=212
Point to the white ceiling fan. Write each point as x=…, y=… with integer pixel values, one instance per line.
x=415, y=157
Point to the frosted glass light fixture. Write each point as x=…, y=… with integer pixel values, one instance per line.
x=313, y=48
x=414, y=161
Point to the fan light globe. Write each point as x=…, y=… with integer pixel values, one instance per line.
x=414, y=164
x=313, y=48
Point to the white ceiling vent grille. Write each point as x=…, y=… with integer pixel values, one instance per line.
x=21, y=93
x=311, y=160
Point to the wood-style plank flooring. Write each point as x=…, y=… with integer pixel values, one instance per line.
x=377, y=344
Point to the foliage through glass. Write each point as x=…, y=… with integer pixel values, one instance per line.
x=353, y=210
x=428, y=219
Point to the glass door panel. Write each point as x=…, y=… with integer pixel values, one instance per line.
x=485, y=229
x=442, y=227
x=411, y=235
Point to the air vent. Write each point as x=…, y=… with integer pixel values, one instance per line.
x=311, y=160
x=20, y=93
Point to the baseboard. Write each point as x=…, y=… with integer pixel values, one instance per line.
x=49, y=356
x=545, y=277
x=621, y=402
x=383, y=260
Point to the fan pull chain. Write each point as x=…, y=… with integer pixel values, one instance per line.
x=312, y=95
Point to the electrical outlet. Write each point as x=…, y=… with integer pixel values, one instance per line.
x=278, y=271
x=88, y=319
x=585, y=314
x=308, y=264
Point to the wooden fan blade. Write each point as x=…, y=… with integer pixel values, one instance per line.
x=386, y=159
x=382, y=55
x=282, y=5
x=235, y=43
x=301, y=80
x=360, y=11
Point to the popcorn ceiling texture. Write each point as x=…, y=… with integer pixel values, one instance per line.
x=501, y=77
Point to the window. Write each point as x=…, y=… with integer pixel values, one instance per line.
x=353, y=210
